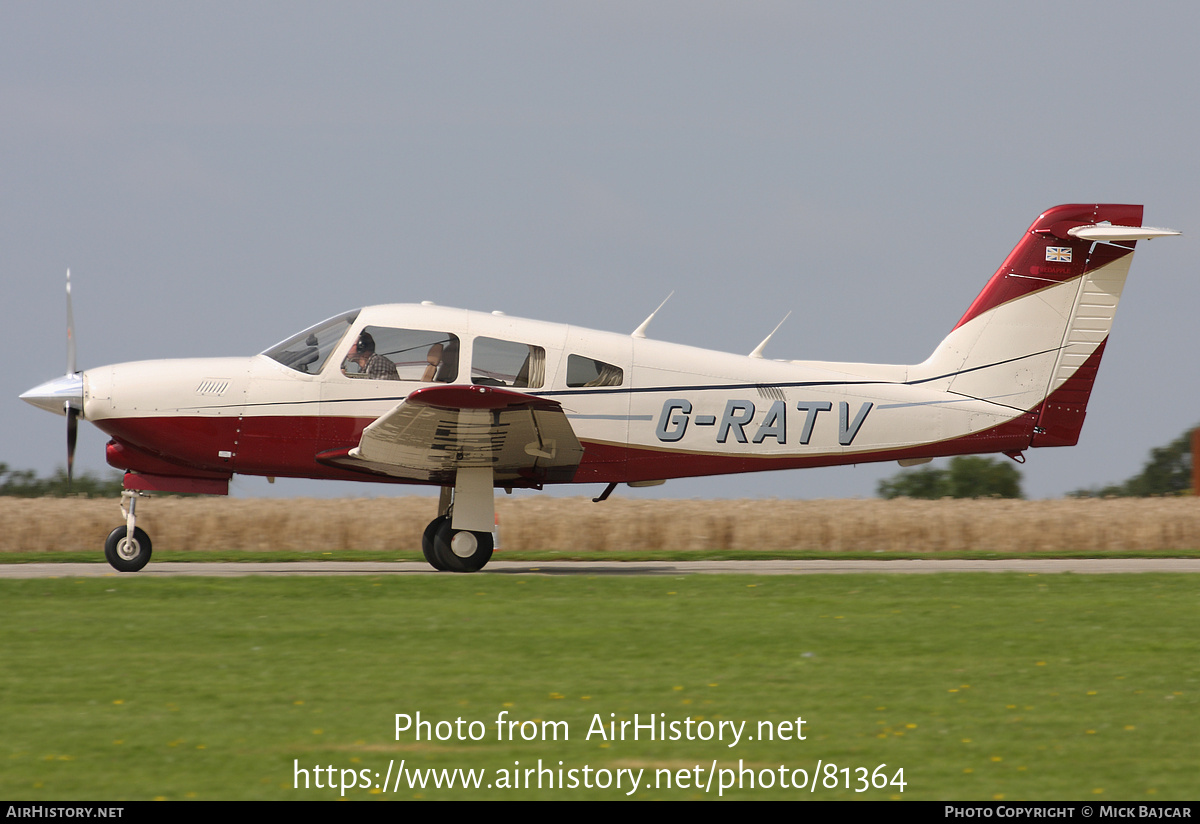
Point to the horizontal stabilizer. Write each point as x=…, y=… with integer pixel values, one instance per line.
x=1108, y=233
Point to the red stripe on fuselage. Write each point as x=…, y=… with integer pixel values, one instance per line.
x=287, y=447
x=638, y=464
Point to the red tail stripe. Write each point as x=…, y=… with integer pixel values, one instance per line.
x=1026, y=269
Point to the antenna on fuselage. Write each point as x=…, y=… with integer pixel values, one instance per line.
x=758, y=350
x=640, y=332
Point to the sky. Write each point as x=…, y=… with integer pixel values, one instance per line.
x=220, y=175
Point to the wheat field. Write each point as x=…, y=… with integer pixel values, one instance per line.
x=577, y=524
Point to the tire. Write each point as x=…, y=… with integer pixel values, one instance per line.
x=124, y=555
x=475, y=548
x=427, y=547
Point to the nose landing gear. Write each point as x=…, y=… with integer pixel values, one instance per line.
x=127, y=548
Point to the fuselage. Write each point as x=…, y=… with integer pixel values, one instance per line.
x=644, y=410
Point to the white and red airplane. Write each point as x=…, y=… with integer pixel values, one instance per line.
x=472, y=401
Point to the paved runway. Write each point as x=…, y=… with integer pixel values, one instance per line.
x=234, y=570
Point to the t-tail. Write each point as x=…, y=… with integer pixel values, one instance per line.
x=1034, y=337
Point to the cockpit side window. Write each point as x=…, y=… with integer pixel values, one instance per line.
x=583, y=371
x=308, y=351
x=505, y=363
x=386, y=353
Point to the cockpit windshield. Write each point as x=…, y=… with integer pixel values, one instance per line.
x=308, y=351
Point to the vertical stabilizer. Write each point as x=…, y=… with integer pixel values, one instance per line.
x=1033, y=338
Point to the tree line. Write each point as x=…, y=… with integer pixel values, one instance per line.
x=1168, y=471
x=25, y=483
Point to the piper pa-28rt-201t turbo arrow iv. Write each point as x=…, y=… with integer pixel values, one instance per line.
x=472, y=401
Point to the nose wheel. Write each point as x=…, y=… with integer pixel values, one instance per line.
x=126, y=554
x=127, y=548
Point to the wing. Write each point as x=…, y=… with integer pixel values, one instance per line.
x=436, y=430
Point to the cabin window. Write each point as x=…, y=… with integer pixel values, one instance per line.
x=505, y=363
x=385, y=353
x=308, y=351
x=583, y=371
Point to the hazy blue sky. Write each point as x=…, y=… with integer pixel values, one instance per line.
x=218, y=176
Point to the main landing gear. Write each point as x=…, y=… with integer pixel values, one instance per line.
x=127, y=548
x=461, y=550
x=452, y=550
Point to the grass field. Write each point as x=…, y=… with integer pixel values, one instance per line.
x=978, y=686
x=576, y=525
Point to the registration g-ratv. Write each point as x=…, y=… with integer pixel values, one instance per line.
x=472, y=401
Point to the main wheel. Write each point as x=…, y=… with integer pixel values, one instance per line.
x=460, y=550
x=427, y=547
x=125, y=554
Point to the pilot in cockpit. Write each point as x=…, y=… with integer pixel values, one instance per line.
x=370, y=365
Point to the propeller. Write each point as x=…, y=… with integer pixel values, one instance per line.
x=71, y=411
x=72, y=434
x=63, y=395
x=70, y=330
